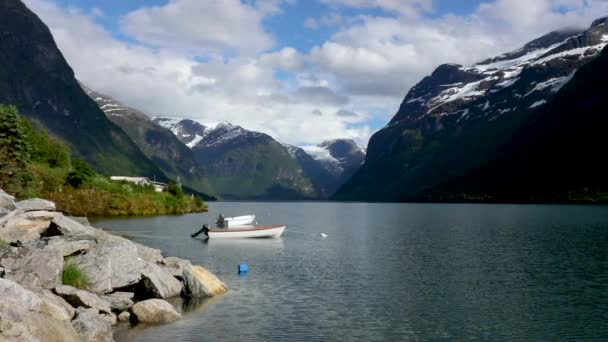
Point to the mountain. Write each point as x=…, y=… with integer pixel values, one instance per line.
x=187, y=131
x=158, y=143
x=35, y=77
x=454, y=119
x=243, y=164
x=329, y=164
x=557, y=154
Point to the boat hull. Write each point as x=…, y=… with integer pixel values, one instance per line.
x=260, y=232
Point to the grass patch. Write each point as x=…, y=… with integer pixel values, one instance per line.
x=3, y=243
x=74, y=276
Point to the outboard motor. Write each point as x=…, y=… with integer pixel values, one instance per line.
x=205, y=230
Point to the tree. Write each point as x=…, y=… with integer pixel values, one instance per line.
x=81, y=174
x=175, y=190
x=14, y=151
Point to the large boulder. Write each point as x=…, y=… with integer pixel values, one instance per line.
x=23, y=317
x=155, y=311
x=19, y=228
x=69, y=246
x=158, y=283
x=81, y=298
x=62, y=225
x=41, y=267
x=92, y=327
x=35, y=204
x=176, y=266
x=110, y=265
x=198, y=282
x=119, y=301
x=54, y=305
x=144, y=252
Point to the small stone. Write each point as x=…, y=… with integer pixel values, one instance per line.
x=124, y=316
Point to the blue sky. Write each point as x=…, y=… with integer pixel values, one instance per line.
x=290, y=68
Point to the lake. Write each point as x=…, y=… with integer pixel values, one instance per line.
x=392, y=272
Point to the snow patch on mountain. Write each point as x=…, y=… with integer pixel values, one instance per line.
x=538, y=104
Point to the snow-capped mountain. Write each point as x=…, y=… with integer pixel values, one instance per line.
x=242, y=164
x=330, y=163
x=187, y=131
x=315, y=172
x=454, y=118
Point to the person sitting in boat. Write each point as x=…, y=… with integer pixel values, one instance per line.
x=220, y=220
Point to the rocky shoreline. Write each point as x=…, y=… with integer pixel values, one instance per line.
x=126, y=282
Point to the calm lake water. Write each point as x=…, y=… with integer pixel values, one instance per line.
x=392, y=272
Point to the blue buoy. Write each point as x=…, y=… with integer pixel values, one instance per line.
x=243, y=268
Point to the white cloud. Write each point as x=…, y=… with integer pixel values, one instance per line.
x=167, y=81
x=386, y=55
x=203, y=27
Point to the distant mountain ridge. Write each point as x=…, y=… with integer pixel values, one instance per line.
x=289, y=172
x=158, y=143
x=454, y=119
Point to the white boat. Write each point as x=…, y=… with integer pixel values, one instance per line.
x=239, y=233
x=236, y=221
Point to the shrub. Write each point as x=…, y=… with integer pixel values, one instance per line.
x=175, y=190
x=81, y=173
x=73, y=276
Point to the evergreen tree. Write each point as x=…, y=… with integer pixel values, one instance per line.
x=14, y=151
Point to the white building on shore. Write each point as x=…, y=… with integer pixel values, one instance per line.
x=142, y=181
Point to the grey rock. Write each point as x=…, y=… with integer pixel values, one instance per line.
x=144, y=252
x=34, y=266
x=19, y=228
x=92, y=327
x=158, y=283
x=35, y=204
x=110, y=265
x=198, y=282
x=23, y=317
x=155, y=311
x=14, y=294
x=81, y=298
x=82, y=220
x=62, y=225
x=69, y=246
x=176, y=266
x=119, y=300
x=54, y=305
x=124, y=316
x=7, y=202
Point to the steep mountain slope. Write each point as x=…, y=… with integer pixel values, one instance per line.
x=453, y=119
x=35, y=77
x=329, y=164
x=156, y=142
x=557, y=155
x=242, y=164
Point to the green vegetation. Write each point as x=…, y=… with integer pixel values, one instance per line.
x=33, y=164
x=73, y=276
